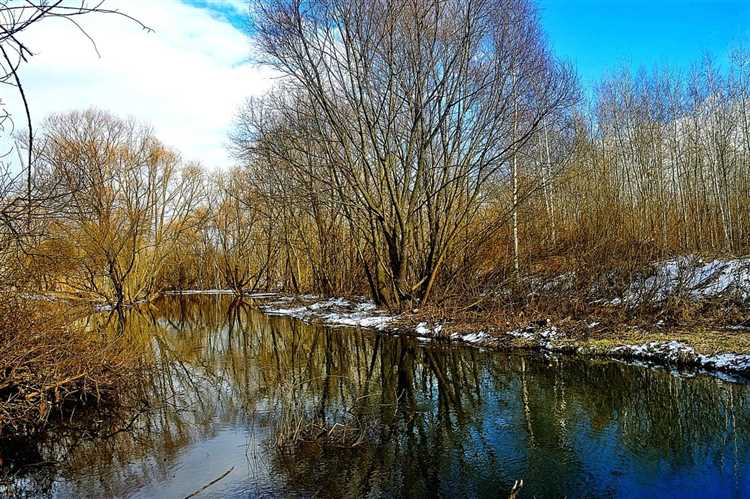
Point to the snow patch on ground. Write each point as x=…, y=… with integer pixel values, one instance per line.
x=478, y=338
x=691, y=277
x=544, y=336
x=422, y=329
x=671, y=351
x=524, y=334
x=358, y=319
x=425, y=330
x=333, y=312
x=559, y=283
x=547, y=336
x=200, y=292
x=676, y=352
x=104, y=307
x=332, y=303
x=216, y=291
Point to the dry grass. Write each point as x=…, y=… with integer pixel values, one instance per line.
x=299, y=424
x=704, y=341
x=49, y=369
x=306, y=430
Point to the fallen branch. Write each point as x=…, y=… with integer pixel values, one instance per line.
x=209, y=484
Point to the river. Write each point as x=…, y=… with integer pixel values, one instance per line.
x=246, y=405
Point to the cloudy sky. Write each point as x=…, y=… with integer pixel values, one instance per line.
x=186, y=78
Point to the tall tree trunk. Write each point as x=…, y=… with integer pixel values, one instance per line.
x=514, y=174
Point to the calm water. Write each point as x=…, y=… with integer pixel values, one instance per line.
x=431, y=420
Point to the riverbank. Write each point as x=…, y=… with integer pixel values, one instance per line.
x=717, y=350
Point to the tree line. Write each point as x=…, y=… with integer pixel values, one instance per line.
x=414, y=151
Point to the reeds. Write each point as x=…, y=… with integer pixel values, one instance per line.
x=299, y=423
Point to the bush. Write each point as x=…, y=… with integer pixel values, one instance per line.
x=49, y=368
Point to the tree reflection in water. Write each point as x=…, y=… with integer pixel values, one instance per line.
x=441, y=420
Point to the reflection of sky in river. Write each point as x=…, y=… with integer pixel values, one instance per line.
x=475, y=422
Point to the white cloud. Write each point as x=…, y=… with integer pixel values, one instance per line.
x=186, y=79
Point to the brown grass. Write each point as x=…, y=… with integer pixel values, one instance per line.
x=704, y=341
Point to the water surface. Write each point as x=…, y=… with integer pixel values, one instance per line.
x=427, y=419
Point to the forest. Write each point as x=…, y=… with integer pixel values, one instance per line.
x=474, y=168
x=432, y=156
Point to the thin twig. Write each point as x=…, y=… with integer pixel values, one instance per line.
x=210, y=483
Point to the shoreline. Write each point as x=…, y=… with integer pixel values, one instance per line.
x=706, y=350
x=711, y=351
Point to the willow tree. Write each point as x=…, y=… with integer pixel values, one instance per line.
x=122, y=202
x=416, y=106
x=244, y=230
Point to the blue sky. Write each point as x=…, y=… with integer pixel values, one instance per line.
x=233, y=12
x=599, y=36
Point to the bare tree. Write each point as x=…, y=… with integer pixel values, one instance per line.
x=246, y=242
x=413, y=105
x=16, y=17
x=124, y=203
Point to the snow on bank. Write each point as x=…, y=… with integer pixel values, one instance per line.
x=661, y=352
x=105, y=307
x=480, y=338
x=549, y=338
x=200, y=292
x=217, y=292
x=691, y=277
x=427, y=332
x=676, y=352
x=543, y=335
x=333, y=312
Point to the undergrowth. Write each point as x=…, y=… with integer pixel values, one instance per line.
x=49, y=368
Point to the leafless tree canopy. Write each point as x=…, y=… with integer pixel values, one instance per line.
x=16, y=17
x=409, y=108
